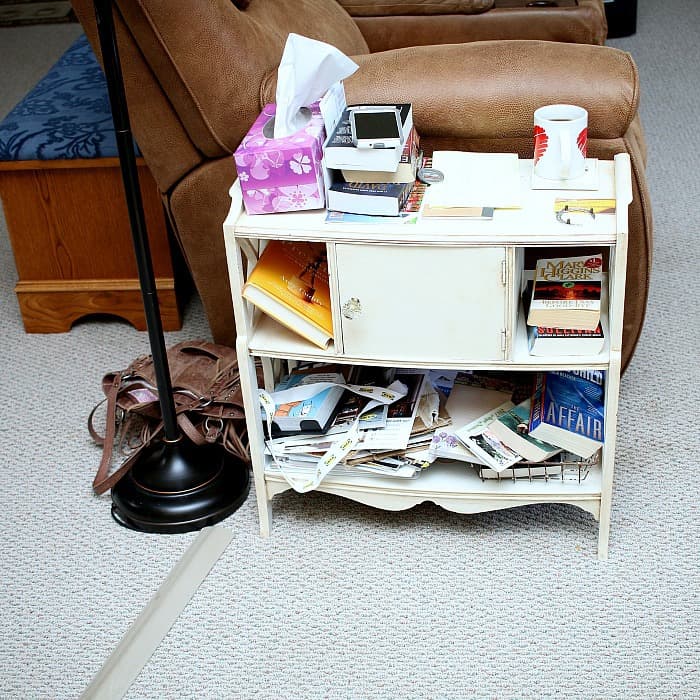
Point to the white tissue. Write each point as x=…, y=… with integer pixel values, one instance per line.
x=307, y=69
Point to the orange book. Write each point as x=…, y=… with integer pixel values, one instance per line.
x=290, y=283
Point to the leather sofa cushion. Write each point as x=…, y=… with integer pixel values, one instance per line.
x=212, y=64
x=475, y=92
x=382, y=8
x=582, y=23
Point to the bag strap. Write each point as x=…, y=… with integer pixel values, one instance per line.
x=97, y=438
x=103, y=480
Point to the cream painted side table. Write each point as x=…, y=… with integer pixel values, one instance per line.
x=451, y=301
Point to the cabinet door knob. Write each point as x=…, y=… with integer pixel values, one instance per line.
x=352, y=308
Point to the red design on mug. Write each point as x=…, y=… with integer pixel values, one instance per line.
x=582, y=141
x=541, y=142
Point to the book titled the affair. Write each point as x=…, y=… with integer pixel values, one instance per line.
x=568, y=410
x=567, y=292
x=290, y=283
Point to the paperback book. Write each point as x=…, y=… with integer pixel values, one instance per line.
x=568, y=410
x=566, y=292
x=378, y=199
x=511, y=428
x=409, y=213
x=290, y=283
x=465, y=403
x=478, y=439
x=545, y=341
x=474, y=213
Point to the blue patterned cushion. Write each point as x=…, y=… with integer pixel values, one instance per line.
x=66, y=115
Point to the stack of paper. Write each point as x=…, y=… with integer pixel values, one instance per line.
x=475, y=180
x=368, y=435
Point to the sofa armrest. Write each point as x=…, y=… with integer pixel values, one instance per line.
x=382, y=8
x=490, y=89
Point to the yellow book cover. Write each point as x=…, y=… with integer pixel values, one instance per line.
x=290, y=283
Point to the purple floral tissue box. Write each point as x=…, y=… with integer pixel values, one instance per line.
x=282, y=174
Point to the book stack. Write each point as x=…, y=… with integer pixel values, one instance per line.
x=376, y=182
x=564, y=414
x=562, y=305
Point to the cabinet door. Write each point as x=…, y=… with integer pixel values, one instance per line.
x=421, y=303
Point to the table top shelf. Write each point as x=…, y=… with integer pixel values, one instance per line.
x=533, y=224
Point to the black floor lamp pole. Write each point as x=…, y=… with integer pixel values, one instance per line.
x=176, y=485
x=127, y=160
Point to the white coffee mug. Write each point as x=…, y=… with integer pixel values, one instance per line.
x=561, y=138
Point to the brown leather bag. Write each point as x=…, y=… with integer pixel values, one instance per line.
x=208, y=405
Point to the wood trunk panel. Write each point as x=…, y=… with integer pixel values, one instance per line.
x=56, y=310
x=70, y=224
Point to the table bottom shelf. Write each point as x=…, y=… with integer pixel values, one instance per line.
x=456, y=487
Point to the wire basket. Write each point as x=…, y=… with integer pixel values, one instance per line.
x=563, y=467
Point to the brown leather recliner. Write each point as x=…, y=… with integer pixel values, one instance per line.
x=197, y=75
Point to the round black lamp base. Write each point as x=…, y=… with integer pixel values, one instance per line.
x=180, y=487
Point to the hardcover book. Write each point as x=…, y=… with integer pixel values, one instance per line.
x=411, y=158
x=566, y=292
x=511, y=428
x=568, y=410
x=544, y=341
x=290, y=283
x=340, y=152
x=375, y=198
